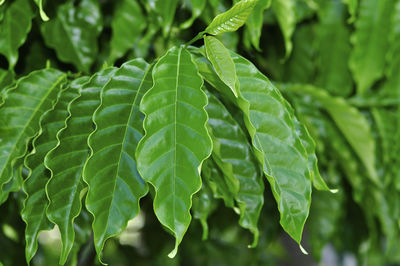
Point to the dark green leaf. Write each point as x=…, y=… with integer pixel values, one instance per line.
x=285, y=12
x=176, y=142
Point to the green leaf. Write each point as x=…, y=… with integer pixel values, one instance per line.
x=222, y=62
x=73, y=33
x=115, y=186
x=370, y=42
x=176, y=142
x=43, y=15
x=393, y=79
x=232, y=19
x=222, y=186
x=254, y=23
x=231, y=146
x=352, y=6
x=166, y=10
x=333, y=39
x=67, y=159
x=204, y=205
x=6, y=80
x=24, y=104
x=14, y=29
x=127, y=25
x=35, y=204
x=278, y=148
x=285, y=12
x=351, y=123
x=197, y=7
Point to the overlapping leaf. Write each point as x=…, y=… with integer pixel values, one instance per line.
x=166, y=10
x=232, y=148
x=67, y=159
x=127, y=25
x=14, y=29
x=222, y=62
x=24, y=104
x=370, y=42
x=35, y=205
x=285, y=12
x=255, y=22
x=277, y=145
x=115, y=186
x=232, y=19
x=176, y=142
x=73, y=33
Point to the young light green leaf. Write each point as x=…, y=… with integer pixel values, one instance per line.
x=73, y=33
x=370, y=42
x=222, y=62
x=234, y=150
x=24, y=104
x=352, y=124
x=115, y=186
x=277, y=146
x=43, y=15
x=127, y=25
x=14, y=29
x=36, y=202
x=285, y=12
x=67, y=159
x=176, y=142
x=232, y=19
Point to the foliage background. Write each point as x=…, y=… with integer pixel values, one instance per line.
x=337, y=62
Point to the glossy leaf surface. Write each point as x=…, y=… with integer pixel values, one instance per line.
x=234, y=150
x=232, y=19
x=14, y=29
x=67, y=159
x=36, y=202
x=24, y=105
x=115, y=186
x=277, y=146
x=73, y=33
x=222, y=62
x=176, y=142
x=127, y=25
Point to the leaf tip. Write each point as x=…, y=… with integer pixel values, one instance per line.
x=303, y=250
x=173, y=253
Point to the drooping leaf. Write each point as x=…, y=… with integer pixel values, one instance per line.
x=222, y=62
x=351, y=122
x=166, y=10
x=127, y=25
x=24, y=104
x=14, y=29
x=176, y=142
x=222, y=186
x=370, y=42
x=277, y=146
x=197, y=7
x=234, y=150
x=67, y=159
x=73, y=33
x=333, y=38
x=115, y=186
x=43, y=15
x=203, y=206
x=255, y=22
x=285, y=12
x=232, y=19
x=35, y=205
